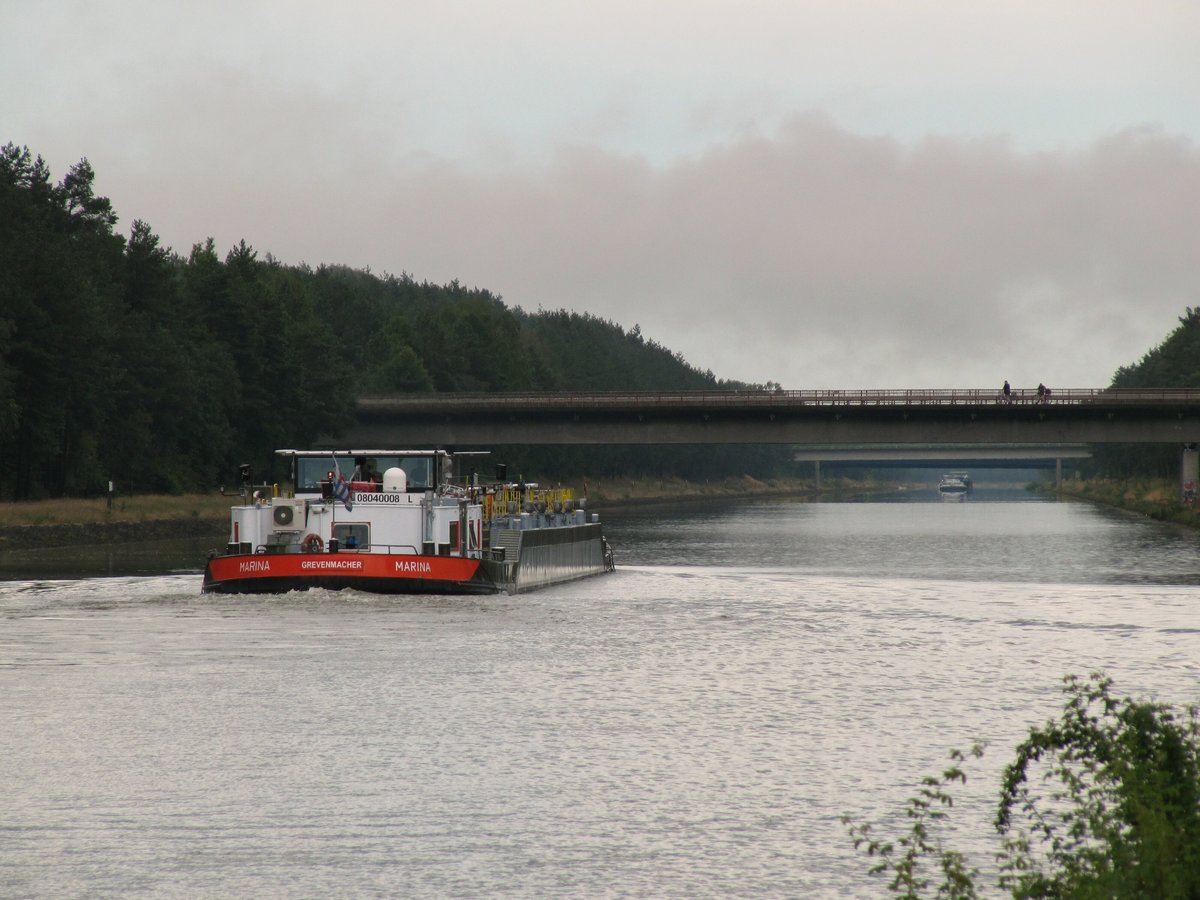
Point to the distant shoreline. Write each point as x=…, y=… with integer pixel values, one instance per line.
x=78, y=522
x=60, y=523
x=32, y=537
x=1154, y=498
x=49, y=524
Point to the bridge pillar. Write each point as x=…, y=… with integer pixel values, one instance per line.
x=817, y=474
x=1058, y=474
x=1189, y=473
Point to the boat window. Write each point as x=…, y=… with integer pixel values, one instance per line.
x=311, y=472
x=420, y=473
x=353, y=535
x=419, y=470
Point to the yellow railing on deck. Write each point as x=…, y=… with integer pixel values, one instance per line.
x=504, y=501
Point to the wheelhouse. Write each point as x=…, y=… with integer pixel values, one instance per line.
x=314, y=471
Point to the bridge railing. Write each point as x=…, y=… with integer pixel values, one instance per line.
x=497, y=402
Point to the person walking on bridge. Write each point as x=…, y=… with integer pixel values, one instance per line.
x=1007, y=391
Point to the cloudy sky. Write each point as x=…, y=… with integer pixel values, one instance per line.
x=823, y=193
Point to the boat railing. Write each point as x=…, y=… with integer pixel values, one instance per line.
x=395, y=549
x=514, y=501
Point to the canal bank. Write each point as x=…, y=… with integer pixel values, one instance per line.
x=1155, y=498
x=25, y=537
x=73, y=522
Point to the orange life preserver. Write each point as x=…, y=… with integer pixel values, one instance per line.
x=312, y=543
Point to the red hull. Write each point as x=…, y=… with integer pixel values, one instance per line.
x=375, y=572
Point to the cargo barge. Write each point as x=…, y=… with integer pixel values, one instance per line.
x=402, y=525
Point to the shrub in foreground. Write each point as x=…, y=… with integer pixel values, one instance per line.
x=1103, y=802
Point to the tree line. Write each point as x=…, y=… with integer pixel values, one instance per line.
x=1174, y=363
x=121, y=359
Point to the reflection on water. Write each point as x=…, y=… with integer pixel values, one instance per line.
x=972, y=540
x=691, y=726
x=134, y=558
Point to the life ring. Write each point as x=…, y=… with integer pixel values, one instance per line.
x=312, y=543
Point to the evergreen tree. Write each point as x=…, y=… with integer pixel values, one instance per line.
x=58, y=376
x=122, y=360
x=1175, y=363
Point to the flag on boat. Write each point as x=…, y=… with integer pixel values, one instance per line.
x=341, y=489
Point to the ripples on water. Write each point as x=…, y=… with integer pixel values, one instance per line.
x=691, y=726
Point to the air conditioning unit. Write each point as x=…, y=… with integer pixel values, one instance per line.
x=288, y=515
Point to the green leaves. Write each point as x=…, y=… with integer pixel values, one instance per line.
x=1105, y=801
x=1102, y=802
x=917, y=857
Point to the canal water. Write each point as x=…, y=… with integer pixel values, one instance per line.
x=694, y=725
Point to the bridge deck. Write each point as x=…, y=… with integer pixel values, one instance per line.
x=1141, y=397
x=974, y=416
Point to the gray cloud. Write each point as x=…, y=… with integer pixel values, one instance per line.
x=664, y=182
x=816, y=257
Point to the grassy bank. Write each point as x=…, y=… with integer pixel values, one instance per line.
x=1156, y=498
x=215, y=507
x=125, y=510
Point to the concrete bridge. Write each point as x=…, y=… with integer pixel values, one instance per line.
x=983, y=456
x=858, y=417
x=953, y=417
x=975, y=456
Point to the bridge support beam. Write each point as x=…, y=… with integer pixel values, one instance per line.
x=817, y=475
x=1189, y=473
x=1058, y=473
